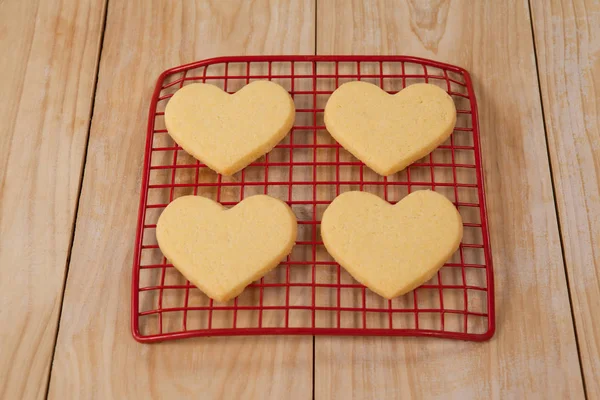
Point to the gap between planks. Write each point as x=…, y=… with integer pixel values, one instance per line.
x=553, y=182
x=79, y=189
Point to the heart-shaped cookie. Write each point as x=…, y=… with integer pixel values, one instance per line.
x=389, y=132
x=391, y=249
x=220, y=250
x=228, y=132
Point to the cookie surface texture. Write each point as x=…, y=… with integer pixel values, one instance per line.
x=389, y=132
x=391, y=249
x=228, y=132
x=221, y=250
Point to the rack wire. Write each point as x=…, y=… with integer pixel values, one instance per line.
x=308, y=293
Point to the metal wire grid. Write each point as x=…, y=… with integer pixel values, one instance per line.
x=308, y=293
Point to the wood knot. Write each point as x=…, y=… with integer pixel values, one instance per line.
x=428, y=21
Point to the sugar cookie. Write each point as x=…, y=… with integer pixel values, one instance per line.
x=389, y=132
x=391, y=249
x=220, y=250
x=228, y=132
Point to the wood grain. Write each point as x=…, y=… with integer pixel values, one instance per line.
x=567, y=35
x=96, y=355
x=47, y=73
x=533, y=352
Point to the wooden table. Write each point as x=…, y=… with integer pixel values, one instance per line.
x=76, y=79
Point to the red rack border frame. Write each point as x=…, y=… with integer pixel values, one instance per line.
x=491, y=326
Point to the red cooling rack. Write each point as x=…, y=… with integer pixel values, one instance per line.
x=308, y=293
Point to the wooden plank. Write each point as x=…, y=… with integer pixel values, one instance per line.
x=96, y=355
x=534, y=349
x=47, y=73
x=567, y=35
